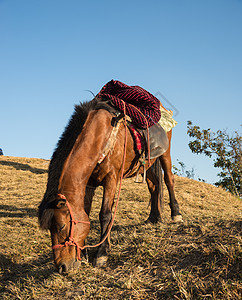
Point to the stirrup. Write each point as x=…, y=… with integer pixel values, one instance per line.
x=144, y=174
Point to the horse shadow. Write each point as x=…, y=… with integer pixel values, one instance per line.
x=39, y=269
x=23, y=167
x=15, y=212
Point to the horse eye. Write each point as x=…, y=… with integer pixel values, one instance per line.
x=61, y=227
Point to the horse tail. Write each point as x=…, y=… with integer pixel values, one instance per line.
x=157, y=169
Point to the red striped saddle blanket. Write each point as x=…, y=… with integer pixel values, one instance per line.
x=149, y=105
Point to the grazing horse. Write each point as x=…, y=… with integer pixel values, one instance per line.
x=76, y=170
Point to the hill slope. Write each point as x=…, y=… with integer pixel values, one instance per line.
x=198, y=259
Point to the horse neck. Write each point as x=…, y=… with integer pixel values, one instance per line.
x=84, y=155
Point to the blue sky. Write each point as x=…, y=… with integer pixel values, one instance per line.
x=51, y=52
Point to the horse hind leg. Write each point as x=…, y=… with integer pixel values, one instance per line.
x=169, y=181
x=154, y=182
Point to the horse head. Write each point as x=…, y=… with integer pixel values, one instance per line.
x=68, y=233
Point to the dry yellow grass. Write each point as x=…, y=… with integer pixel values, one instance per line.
x=198, y=259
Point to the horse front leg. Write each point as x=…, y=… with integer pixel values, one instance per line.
x=105, y=218
x=169, y=181
x=89, y=194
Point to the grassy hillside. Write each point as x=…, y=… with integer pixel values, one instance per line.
x=198, y=259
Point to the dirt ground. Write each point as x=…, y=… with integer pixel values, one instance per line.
x=197, y=259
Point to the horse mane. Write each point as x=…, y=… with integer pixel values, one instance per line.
x=63, y=148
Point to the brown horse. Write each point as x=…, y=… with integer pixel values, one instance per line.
x=75, y=172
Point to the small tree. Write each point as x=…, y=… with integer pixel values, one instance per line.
x=183, y=171
x=227, y=151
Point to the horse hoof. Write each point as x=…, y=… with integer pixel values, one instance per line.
x=153, y=220
x=177, y=218
x=101, y=261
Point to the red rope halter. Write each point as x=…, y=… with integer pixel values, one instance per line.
x=71, y=241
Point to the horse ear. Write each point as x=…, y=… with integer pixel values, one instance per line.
x=60, y=203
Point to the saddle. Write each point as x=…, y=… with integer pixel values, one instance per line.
x=155, y=137
x=158, y=142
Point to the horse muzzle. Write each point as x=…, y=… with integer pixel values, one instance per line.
x=65, y=266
